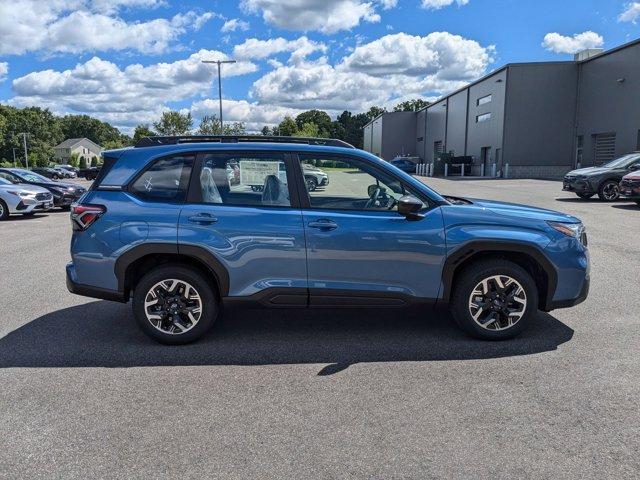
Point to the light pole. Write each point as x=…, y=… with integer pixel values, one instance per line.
x=24, y=142
x=219, y=63
x=14, y=157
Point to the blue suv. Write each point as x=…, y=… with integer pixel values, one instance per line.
x=185, y=225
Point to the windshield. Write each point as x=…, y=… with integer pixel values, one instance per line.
x=31, y=177
x=623, y=162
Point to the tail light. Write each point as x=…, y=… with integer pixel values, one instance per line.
x=83, y=216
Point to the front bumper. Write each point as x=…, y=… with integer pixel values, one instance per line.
x=89, y=290
x=630, y=189
x=577, y=186
x=571, y=302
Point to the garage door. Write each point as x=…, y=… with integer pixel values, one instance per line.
x=604, y=147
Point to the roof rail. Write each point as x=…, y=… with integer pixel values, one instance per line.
x=156, y=141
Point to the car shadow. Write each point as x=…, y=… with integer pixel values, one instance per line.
x=627, y=206
x=104, y=334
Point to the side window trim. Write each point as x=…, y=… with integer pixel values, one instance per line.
x=194, y=193
x=305, y=203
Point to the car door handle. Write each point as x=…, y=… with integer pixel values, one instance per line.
x=204, y=218
x=323, y=224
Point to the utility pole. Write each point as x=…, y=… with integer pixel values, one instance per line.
x=24, y=142
x=14, y=157
x=219, y=63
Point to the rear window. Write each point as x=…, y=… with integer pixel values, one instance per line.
x=107, y=163
x=166, y=180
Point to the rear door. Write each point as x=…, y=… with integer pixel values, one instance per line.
x=360, y=250
x=242, y=207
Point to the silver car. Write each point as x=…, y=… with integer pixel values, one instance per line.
x=24, y=199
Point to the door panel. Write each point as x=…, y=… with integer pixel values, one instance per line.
x=241, y=210
x=358, y=243
x=375, y=252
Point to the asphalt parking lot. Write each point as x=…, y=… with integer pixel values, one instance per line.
x=321, y=394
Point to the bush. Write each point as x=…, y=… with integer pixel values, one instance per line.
x=83, y=163
x=73, y=160
x=94, y=161
x=5, y=164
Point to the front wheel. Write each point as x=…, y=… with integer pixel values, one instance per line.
x=4, y=210
x=312, y=184
x=174, y=304
x=609, y=191
x=494, y=300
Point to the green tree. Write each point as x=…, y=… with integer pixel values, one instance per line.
x=73, y=160
x=287, y=127
x=174, y=123
x=94, y=161
x=319, y=118
x=266, y=131
x=83, y=162
x=375, y=112
x=141, y=132
x=84, y=126
x=210, y=125
x=308, y=129
x=411, y=105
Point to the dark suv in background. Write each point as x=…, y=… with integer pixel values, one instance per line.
x=64, y=194
x=604, y=180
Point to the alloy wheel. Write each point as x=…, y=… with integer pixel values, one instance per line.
x=173, y=306
x=497, y=302
x=611, y=191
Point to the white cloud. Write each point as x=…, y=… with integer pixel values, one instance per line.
x=252, y=48
x=73, y=26
x=631, y=12
x=126, y=96
x=253, y=115
x=235, y=24
x=4, y=70
x=580, y=41
x=438, y=4
x=439, y=53
x=327, y=16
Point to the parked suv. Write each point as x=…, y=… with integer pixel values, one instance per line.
x=630, y=186
x=603, y=180
x=163, y=226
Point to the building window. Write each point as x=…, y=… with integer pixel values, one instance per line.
x=483, y=100
x=483, y=118
x=604, y=147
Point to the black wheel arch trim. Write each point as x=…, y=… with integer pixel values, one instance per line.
x=193, y=252
x=467, y=250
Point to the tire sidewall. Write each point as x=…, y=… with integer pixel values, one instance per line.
x=4, y=210
x=210, y=303
x=467, y=282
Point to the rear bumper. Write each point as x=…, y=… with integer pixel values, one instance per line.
x=89, y=290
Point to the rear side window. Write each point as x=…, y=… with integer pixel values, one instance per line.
x=166, y=180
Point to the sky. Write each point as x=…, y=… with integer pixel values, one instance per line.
x=126, y=61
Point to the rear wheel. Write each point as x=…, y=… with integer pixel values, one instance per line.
x=585, y=196
x=494, y=300
x=609, y=191
x=312, y=184
x=4, y=210
x=174, y=304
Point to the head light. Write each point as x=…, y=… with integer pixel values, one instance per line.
x=20, y=193
x=575, y=230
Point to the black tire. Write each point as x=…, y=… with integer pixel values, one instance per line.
x=609, y=191
x=65, y=208
x=207, y=294
x=55, y=177
x=312, y=183
x=585, y=196
x=4, y=210
x=472, y=276
x=638, y=202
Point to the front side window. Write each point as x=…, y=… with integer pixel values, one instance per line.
x=252, y=179
x=341, y=183
x=166, y=180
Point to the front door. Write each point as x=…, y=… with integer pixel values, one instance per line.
x=359, y=249
x=241, y=210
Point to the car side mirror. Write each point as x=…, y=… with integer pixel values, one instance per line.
x=634, y=167
x=409, y=207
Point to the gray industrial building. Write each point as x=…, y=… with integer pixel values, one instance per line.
x=536, y=120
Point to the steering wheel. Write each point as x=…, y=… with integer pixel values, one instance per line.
x=380, y=199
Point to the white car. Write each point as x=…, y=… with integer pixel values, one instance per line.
x=24, y=199
x=314, y=177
